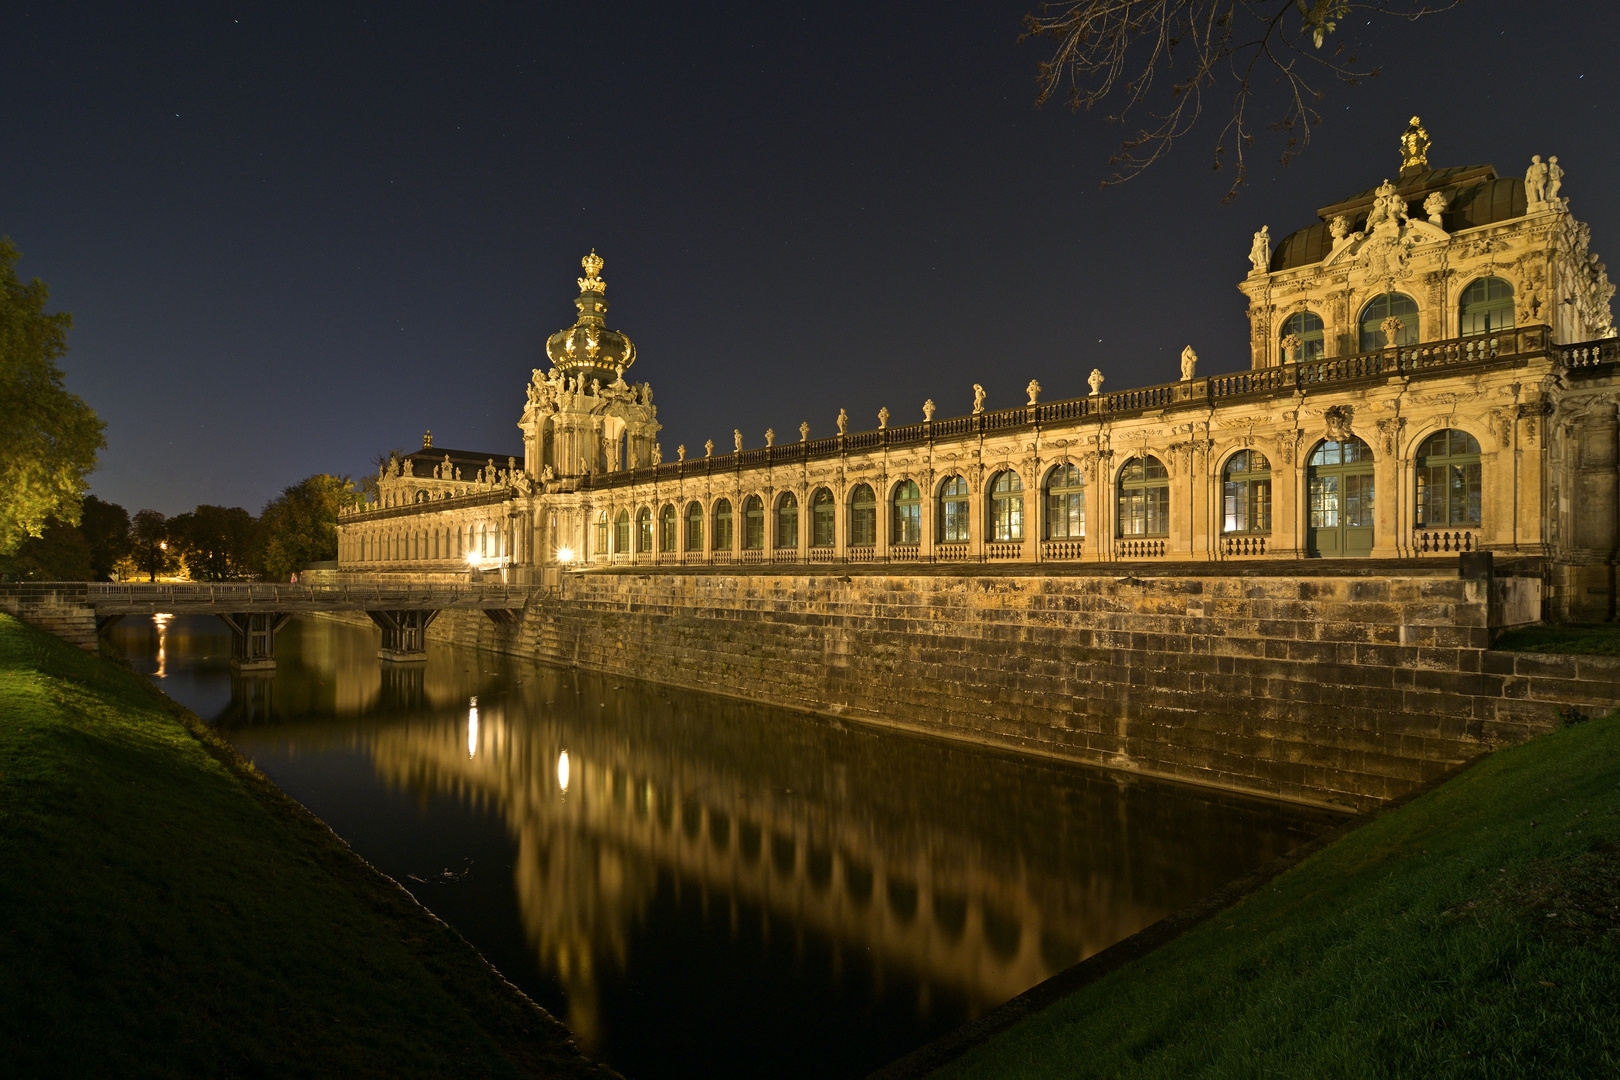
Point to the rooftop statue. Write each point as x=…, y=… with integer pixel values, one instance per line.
x=1260, y=250
x=1189, y=363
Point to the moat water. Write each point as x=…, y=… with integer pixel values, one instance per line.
x=701, y=887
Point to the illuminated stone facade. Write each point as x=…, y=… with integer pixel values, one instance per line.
x=1434, y=371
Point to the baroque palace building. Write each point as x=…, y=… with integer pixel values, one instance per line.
x=1434, y=371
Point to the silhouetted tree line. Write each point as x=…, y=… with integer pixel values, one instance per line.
x=210, y=543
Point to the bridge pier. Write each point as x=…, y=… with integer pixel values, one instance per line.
x=404, y=634
x=253, y=638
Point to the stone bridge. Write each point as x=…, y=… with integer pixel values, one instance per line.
x=78, y=612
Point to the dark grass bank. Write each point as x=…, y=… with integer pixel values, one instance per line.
x=1602, y=639
x=1474, y=932
x=166, y=911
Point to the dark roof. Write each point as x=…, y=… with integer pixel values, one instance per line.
x=1477, y=197
x=468, y=461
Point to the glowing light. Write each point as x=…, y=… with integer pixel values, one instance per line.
x=472, y=727
x=562, y=771
x=565, y=555
x=472, y=558
x=161, y=621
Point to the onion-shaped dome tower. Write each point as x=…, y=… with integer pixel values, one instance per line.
x=588, y=349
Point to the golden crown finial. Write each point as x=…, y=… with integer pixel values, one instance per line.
x=1414, y=147
x=591, y=282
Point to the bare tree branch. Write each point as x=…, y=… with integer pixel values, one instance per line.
x=1120, y=47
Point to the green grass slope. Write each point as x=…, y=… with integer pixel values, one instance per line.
x=165, y=911
x=1474, y=932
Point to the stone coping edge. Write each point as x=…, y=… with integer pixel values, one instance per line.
x=924, y=1060
x=1434, y=567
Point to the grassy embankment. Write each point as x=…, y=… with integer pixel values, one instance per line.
x=1598, y=640
x=166, y=911
x=1474, y=931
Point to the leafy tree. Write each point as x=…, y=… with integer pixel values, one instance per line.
x=301, y=525
x=149, y=544
x=50, y=437
x=218, y=543
x=105, y=527
x=60, y=553
x=1115, y=49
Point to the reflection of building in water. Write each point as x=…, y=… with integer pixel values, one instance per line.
x=978, y=877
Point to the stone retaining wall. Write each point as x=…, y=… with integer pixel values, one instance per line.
x=1340, y=690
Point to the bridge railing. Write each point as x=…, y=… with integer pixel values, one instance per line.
x=246, y=595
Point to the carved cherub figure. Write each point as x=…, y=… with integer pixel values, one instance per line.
x=657, y=454
x=770, y=436
x=978, y=399
x=883, y=417
x=843, y=421
x=736, y=438
x=680, y=452
x=1189, y=363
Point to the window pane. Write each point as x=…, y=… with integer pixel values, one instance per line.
x=1358, y=500
x=1324, y=497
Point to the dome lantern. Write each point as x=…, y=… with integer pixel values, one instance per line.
x=588, y=348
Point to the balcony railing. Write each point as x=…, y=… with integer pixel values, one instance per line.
x=1002, y=551
x=1138, y=549
x=950, y=552
x=1063, y=550
x=1239, y=544
x=1442, y=541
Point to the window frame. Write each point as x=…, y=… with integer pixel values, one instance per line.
x=1241, y=490
x=905, y=518
x=725, y=533
x=1485, y=307
x=1429, y=467
x=955, y=511
x=1148, y=492
x=667, y=528
x=1071, y=496
x=694, y=522
x=1005, y=524
x=1372, y=340
x=823, y=516
x=862, y=516
x=787, y=521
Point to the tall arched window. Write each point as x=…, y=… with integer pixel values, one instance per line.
x=1007, y=508
x=621, y=533
x=1308, y=325
x=953, y=511
x=694, y=526
x=1486, y=307
x=1401, y=306
x=907, y=527
x=666, y=527
x=1339, y=483
x=1065, y=503
x=787, y=521
x=823, y=518
x=644, y=530
x=862, y=516
x=1246, y=493
x=1144, y=498
x=601, y=533
x=753, y=523
x=1448, y=480
x=722, y=525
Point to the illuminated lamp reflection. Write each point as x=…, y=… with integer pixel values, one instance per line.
x=562, y=771
x=472, y=727
x=161, y=621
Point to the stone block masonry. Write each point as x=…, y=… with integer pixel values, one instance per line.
x=1338, y=688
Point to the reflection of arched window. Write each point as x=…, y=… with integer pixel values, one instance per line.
x=1448, y=480
x=1308, y=325
x=1246, y=493
x=1007, y=508
x=907, y=514
x=1399, y=305
x=953, y=511
x=823, y=516
x=1144, y=498
x=862, y=516
x=787, y=521
x=1486, y=306
x=1065, y=503
x=694, y=526
x=666, y=528
x=722, y=525
x=753, y=523
x=621, y=532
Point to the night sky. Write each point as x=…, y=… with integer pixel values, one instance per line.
x=292, y=236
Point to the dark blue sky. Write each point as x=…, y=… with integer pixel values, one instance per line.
x=292, y=236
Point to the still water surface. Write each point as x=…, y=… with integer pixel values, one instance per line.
x=701, y=887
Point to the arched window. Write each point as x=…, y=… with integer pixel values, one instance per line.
x=1065, y=503
x=823, y=515
x=1486, y=307
x=1308, y=325
x=1006, y=508
x=862, y=516
x=1339, y=485
x=1401, y=306
x=1246, y=493
x=621, y=533
x=644, y=530
x=953, y=511
x=907, y=527
x=1144, y=498
x=1448, y=480
x=694, y=526
x=666, y=527
x=787, y=521
x=753, y=523
x=722, y=525
x=601, y=533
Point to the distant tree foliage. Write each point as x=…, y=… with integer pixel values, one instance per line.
x=216, y=543
x=300, y=526
x=149, y=544
x=63, y=552
x=1119, y=48
x=105, y=527
x=48, y=438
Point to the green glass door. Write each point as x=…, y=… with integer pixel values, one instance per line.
x=1340, y=487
